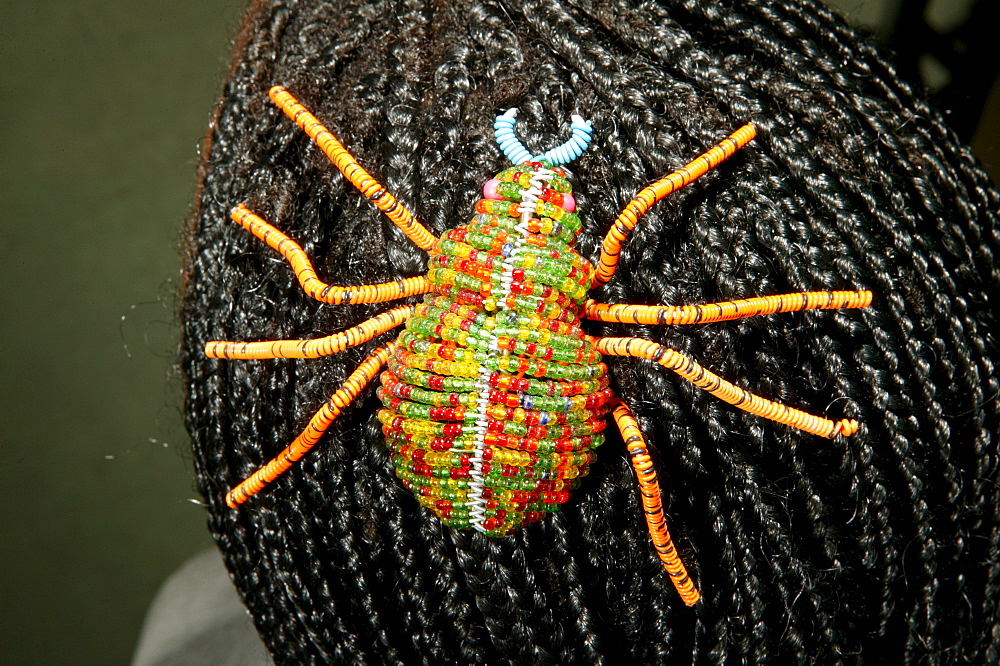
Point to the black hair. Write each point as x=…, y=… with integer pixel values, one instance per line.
x=880, y=546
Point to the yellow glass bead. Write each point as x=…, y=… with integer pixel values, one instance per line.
x=466, y=370
x=519, y=415
x=529, y=260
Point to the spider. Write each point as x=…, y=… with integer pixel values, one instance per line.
x=494, y=397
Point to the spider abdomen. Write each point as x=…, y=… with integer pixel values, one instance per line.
x=494, y=399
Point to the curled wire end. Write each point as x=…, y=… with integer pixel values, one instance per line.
x=510, y=145
x=846, y=427
x=573, y=148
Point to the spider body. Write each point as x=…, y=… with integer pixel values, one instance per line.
x=494, y=397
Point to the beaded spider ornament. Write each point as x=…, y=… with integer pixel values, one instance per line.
x=494, y=397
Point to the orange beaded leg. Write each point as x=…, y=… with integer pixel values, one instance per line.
x=727, y=310
x=649, y=487
x=367, y=371
x=306, y=274
x=348, y=166
x=720, y=388
x=643, y=201
x=325, y=346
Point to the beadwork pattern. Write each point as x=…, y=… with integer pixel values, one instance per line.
x=495, y=399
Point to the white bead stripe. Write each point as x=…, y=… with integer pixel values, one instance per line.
x=475, y=501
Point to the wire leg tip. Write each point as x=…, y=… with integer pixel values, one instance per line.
x=847, y=427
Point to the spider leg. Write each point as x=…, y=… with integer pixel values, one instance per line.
x=324, y=346
x=306, y=274
x=720, y=388
x=649, y=488
x=345, y=162
x=318, y=425
x=726, y=310
x=627, y=219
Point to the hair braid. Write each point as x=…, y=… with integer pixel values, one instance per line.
x=803, y=548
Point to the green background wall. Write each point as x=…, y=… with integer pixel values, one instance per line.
x=104, y=107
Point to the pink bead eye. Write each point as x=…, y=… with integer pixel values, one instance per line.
x=568, y=203
x=490, y=189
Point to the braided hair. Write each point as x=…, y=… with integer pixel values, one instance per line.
x=804, y=549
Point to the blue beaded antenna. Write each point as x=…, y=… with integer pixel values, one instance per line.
x=511, y=146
